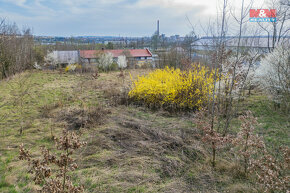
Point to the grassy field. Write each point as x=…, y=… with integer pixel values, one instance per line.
x=129, y=148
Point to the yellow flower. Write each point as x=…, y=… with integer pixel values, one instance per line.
x=186, y=89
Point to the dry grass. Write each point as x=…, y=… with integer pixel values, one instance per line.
x=130, y=148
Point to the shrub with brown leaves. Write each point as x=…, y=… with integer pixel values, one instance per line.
x=210, y=136
x=56, y=181
x=273, y=173
x=247, y=144
x=96, y=74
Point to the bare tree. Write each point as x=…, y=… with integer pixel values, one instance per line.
x=20, y=91
x=279, y=29
x=16, y=49
x=241, y=21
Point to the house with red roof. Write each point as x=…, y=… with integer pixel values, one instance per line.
x=138, y=55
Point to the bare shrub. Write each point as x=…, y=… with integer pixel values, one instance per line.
x=58, y=180
x=20, y=91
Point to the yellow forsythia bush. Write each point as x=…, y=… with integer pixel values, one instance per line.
x=174, y=88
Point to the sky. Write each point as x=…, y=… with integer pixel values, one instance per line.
x=112, y=17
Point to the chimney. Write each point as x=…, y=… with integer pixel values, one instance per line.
x=158, y=28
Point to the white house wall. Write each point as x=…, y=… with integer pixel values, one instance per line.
x=67, y=57
x=64, y=57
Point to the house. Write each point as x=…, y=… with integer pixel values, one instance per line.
x=62, y=58
x=138, y=55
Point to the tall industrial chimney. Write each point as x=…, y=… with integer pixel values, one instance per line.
x=158, y=28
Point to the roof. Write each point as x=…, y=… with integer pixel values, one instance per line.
x=259, y=42
x=131, y=53
x=88, y=53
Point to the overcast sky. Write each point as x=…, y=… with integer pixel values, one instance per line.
x=111, y=17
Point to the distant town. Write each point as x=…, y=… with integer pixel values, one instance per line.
x=103, y=39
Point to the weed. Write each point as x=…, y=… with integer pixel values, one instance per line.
x=43, y=174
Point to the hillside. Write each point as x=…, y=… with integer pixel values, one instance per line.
x=130, y=148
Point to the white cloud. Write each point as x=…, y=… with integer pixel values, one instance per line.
x=16, y=2
x=179, y=6
x=20, y=3
x=95, y=17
